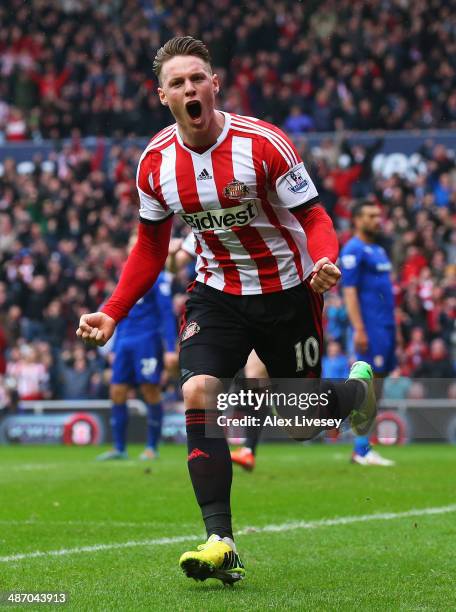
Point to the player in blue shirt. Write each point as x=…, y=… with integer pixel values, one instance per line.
x=368, y=294
x=144, y=343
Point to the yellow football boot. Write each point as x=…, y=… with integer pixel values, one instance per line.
x=214, y=559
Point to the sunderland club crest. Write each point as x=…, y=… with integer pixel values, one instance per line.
x=190, y=330
x=235, y=190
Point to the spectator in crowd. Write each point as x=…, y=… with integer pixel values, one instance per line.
x=4, y=396
x=439, y=364
x=337, y=324
x=30, y=372
x=335, y=363
x=396, y=386
x=416, y=351
x=298, y=122
x=99, y=385
x=54, y=325
x=417, y=391
x=75, y=375
x=34, y=300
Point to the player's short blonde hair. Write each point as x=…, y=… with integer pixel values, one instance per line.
x=180, y=45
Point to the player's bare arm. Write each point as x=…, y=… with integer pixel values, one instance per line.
x=171, y=362
x=360, y=338
x=174, y=247
x=178, y=256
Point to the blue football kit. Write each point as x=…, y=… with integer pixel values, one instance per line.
x=141, y=338
x=366, y=267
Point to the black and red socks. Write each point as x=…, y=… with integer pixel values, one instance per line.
x=210, y=468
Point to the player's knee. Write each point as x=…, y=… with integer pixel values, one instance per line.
x=151, y=393
x=255, y=368
x=200, y=392
x=118, y=393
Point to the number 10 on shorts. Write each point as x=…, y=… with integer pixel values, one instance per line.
x=308, y=353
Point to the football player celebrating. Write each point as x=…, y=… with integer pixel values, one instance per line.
x=266, y=251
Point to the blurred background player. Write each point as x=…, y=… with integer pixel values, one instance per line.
x=144, y=343
x=181, y=253
x=368, y=294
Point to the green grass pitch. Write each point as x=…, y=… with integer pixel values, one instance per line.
x=59, y=498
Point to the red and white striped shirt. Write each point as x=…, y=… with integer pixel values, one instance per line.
x=237, y=197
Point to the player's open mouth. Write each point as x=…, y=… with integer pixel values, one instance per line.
x=194, y=109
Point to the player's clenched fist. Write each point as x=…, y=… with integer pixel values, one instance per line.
x=324, y=275
x=96, y=328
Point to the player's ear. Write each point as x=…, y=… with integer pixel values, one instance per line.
x=162, y=96
x=215, y=83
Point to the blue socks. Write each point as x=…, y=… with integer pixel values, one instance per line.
x=362, y=446
x=119, y=423
x=154, y=424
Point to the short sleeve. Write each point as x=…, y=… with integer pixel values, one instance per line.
x=287, y=175
x=350, y=265
x=151, y=210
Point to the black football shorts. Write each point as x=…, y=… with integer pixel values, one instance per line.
x=219, y=330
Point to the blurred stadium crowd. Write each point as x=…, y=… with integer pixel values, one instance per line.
x=76, y=67
x=333, y=64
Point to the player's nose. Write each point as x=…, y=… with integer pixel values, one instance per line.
x=189, y=88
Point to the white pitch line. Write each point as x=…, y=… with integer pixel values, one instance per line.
x=291, y=526
x=98, y=547
x=39, y=523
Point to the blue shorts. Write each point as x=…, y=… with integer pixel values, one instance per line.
x=381, y=351
x=138, y=360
